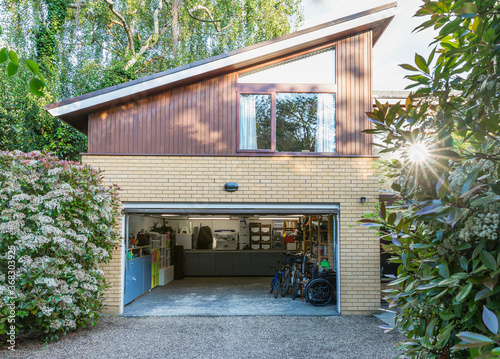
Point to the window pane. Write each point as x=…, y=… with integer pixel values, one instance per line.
x=255, y=122
x=305, y=122
x=315, y=68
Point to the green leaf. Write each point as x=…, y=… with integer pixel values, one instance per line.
x=474, y=338
x=488, y=260
x=436, y=206
x=491, y=282
x=468, y=8
x=470, y=179
x=490, y=320
x=382, y=210
x=464, y=263
x=462, y=247
x=422, y=246
x=33, y=66
x=495, y=188
x=443, y=270
x=395, y=186
x=13, y=58
x=405, y=258
x=408, y=67
x=12, y=69
x=3, y=55
x=496, y=351
x=484, y=200
x=421, y=63
x=463, y=293
x=36, y=87
x=483, y=293
x=440, y=183
x=446, y=314
x=455, y=215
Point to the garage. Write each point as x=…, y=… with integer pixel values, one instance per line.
x=257, y=136
x=229, y=246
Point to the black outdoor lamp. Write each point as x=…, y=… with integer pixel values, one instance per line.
x=231, y=186
x=362, y=199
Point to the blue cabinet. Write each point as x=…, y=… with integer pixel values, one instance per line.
x=137, y=278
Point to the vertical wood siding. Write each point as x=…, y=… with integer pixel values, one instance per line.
x=194, y=119
x=354, y=94
x=201, y=118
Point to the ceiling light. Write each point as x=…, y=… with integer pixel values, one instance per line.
x=210, y=218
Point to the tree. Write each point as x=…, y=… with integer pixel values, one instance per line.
x=86, y=45
x=445, y=235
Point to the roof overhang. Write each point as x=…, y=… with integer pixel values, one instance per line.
x=74, y=111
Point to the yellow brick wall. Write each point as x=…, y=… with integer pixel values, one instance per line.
x=262, y=179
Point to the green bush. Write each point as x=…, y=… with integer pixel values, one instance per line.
x=57, y=223
x=445, y=147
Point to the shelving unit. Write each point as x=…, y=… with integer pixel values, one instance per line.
x=289, y=227
x=132, y=251
x=155, y=268
x=319, y=237
x=278, y=238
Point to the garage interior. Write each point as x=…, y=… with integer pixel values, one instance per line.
x=218, y=261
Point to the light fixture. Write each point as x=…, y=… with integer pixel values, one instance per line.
x=170, y=215
x=417, y=152
x=231, y=186
x=362, y=199
x=210, y=218
x=279, y=219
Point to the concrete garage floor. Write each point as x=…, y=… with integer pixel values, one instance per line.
x=221, y=296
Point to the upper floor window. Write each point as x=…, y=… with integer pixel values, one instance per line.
x=287, y=122
x=317, y=67
x=289, y=106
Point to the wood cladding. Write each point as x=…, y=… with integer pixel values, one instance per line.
x=195, y=119
x=201, y=118
x=354, y=94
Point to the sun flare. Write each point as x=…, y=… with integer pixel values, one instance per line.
x=418, y=152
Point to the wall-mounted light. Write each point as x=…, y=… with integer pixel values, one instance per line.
x=231, y=186
x=362, y=199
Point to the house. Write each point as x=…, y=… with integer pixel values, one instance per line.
x=257, y=144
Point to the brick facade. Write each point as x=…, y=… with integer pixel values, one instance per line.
x=261, y=179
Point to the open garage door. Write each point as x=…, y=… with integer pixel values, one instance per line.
x=167, y=241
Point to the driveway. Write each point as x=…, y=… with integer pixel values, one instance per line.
x=347, y=337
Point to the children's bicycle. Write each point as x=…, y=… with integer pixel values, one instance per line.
x=276, y=281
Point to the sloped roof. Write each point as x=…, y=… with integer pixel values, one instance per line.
x=74, y=111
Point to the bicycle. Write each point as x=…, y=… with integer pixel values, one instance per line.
x=276, y=281
x=303, y=276
x=287, y=269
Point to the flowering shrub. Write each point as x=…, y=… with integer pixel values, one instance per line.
x=59, y=221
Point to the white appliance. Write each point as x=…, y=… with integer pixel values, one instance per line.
x=226, y=240
x=185, y=240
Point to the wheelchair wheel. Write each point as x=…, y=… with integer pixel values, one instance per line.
x=319, y=292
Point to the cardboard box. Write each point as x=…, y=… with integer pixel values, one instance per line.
x=291, y=246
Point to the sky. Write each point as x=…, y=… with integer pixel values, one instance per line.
x=397, y=45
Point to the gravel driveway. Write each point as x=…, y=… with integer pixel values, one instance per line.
x=221, y=337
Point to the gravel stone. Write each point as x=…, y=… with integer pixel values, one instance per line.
x=246, y=337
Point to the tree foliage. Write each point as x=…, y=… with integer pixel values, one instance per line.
x=446, y=141
x=86, y=45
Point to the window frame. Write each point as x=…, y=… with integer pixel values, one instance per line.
x=273, y=89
